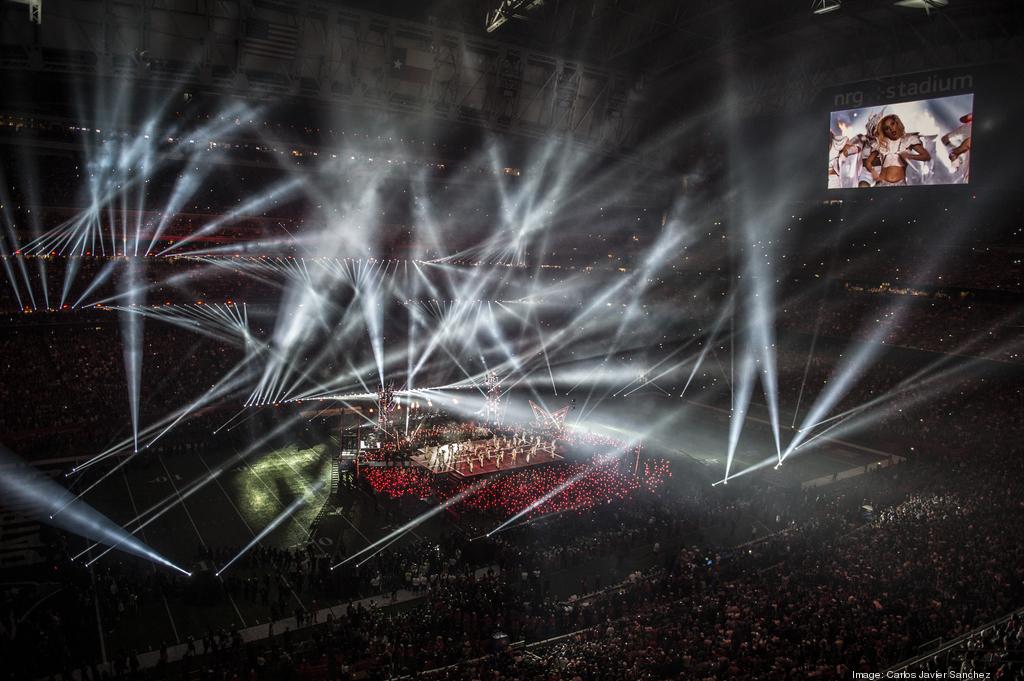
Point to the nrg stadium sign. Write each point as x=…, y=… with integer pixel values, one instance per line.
x=877, y=92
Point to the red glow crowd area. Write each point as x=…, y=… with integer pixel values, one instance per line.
x=614, y=471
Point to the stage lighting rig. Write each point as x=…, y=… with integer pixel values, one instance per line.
x=926, y=5
x=35, y=10
x=825, y=6
x=492, y=403
x=386, y=405
x=509, y=9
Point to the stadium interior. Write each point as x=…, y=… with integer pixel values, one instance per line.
x=511, y=339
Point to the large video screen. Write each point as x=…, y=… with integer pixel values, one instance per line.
x=925, y=142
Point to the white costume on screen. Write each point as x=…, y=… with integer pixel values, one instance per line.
x=868, y=145
x=890, y=150
x=863, y=174
x=961, y=165
x=835, y=156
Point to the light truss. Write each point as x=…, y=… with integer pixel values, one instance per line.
x=552, y=422
x=825, y=6
x=35, y=10
x=509, y=9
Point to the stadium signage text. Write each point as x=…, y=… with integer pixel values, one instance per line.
x=900, y=89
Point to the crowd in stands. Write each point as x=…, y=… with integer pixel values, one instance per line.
x=241, y=139
x=103, y=280
x=947, y=324
x=585, y=484
x=996, y=650
x=100, y=279
x=945, y=402
x=826, y=592
x=829, y=597
x=654, y=576
x=84, y=361
x=977, y=268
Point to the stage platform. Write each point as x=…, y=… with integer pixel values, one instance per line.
x=429, y=459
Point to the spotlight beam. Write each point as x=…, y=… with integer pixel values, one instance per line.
x=215, y=392
x=415, y=522
x=25, y=483
x=807, y=366
x=741, y=402
x=203, y=481
x=540, y=501
x=254, y=204
x=275, y=523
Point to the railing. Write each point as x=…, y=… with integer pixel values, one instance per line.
x=329, y=499
x=952, y=644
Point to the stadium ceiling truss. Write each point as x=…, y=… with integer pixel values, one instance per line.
x=883, y=48
x=326, y=52
x=35, y=10
x=796, y=88
x=680, y=46
x=508, y=9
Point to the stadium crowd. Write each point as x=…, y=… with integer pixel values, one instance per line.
x=826, y=592
x=77, y=360
x=628, y=576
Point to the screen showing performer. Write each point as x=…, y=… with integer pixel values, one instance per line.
x=925, y=142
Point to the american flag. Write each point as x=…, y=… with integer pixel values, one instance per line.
x=269, y=40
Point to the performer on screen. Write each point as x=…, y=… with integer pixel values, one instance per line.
x=895, y=149
x=839, y=148
x=958, y=141
x=866, y=143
